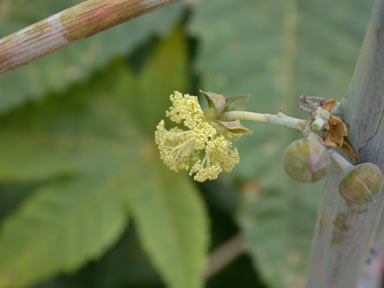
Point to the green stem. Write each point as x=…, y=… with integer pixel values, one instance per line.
x=279, y=118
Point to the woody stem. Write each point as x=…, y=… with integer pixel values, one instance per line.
x=66, y=27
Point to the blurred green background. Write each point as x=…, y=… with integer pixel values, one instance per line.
x=85, y=200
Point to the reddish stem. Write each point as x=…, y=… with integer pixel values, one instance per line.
x=68, y=26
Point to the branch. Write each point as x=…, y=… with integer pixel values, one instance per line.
x=344, y=233
x=68, y=26
x=224, y=255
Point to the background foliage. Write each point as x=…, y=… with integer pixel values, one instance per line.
x=84, y=199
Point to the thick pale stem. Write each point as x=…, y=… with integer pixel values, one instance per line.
x=66, y=27
x=279, y=118
x=345, y=232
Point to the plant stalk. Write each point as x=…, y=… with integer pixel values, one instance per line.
x=68, y=26
x=344, y=232
x=279, y=118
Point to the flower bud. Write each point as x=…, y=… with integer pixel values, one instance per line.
x=361, y=184
x=320, y=119
x=306, y=160
x=318, y=124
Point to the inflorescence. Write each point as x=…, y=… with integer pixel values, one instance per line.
x=195, y=144
x=201, y=142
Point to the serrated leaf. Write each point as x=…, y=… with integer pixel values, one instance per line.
x=55, y=72
x=162, y=214
x=236, y=103
x=61, y=226
x=276, y=51
x=244, y=49
x=279, y=229
x=90, y=138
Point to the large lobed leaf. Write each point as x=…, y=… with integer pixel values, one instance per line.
x=277, y=50
x=100, y=165
x=167, y=211
x=56, y=72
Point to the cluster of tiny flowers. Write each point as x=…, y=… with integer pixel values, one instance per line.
x=199, y=147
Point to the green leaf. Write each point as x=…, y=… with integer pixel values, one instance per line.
x=56, y=72
x=278, y=225
x=237, y=103
x=170, y=222
x=277, y=51
x=60, y=228
x=155, y=90
x=100, y=163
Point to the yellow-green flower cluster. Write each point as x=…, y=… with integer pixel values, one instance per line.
x=199, y=147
